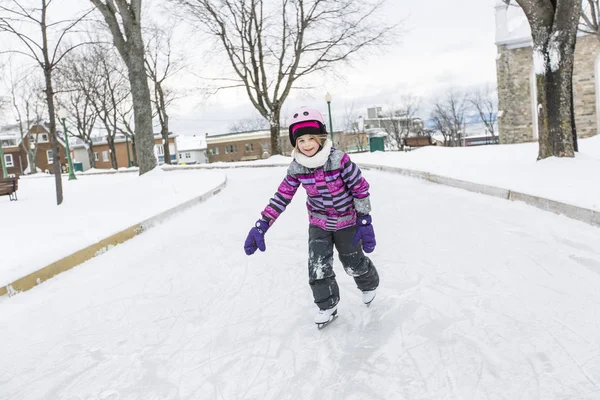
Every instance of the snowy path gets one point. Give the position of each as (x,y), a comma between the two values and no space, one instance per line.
(480,299)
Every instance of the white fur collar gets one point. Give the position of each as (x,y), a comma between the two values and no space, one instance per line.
(316,161)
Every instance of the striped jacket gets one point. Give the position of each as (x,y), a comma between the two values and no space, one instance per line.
(335,192)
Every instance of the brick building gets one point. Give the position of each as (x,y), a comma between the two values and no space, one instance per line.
(517,111)
(38,140)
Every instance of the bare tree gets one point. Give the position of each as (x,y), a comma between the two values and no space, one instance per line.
(448,117)
(16,18)
(400,121)
(80,76)
(161,64)
(110,94)
(554,31)
(271,46)
(27,103)
(353,133)
(590,14)
(248,125)
(123,18)
(486,106)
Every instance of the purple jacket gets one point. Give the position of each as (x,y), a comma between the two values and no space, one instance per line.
(336,192)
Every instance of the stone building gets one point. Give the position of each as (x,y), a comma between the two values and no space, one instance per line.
(517,111)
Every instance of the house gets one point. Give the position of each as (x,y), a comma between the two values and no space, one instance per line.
(100,151)
(191,150)
(38,140)
(517,111)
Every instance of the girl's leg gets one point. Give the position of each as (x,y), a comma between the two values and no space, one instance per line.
(320,268)
(355,263)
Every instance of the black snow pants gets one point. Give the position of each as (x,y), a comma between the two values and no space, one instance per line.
(320,264)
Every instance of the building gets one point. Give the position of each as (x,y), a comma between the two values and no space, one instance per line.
(517,111)
(100,151)
(38,140)
(191,150)
(256,145)
(244,146)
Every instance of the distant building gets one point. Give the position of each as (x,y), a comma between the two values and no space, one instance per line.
(100,151)
(191,150)
(38,140)
(517,110)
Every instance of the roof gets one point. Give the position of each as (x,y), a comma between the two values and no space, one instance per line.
(189,143)
(229,137)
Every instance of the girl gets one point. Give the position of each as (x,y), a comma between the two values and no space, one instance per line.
(338,212)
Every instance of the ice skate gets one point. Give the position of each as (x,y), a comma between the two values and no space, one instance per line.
(368,296)
(325,317)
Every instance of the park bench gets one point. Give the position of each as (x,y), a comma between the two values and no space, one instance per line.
(9,187)
(417,141)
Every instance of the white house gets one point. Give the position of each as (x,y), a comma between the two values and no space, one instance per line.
(191,150)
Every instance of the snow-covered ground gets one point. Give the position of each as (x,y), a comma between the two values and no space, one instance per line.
(572,181)
(480,298)
(94,207)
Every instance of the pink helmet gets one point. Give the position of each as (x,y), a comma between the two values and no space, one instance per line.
(305,115)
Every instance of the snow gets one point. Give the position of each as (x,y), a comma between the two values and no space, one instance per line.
(187,143)
(95,206)
(480,298)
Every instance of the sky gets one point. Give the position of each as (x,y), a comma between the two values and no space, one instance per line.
(441,45)
(480,297)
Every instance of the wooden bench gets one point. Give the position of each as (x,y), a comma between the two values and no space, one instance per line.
(9,187)
(417,141)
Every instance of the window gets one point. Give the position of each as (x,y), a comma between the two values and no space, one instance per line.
(188,155)
(44,138)
(96,156)
(180,156)
(214,151)
(8,159)
(49,156)
(160,150)
(249,147)
(230,149)
(105,156)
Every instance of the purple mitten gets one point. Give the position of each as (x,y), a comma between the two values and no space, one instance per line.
(364,232)
(256,237)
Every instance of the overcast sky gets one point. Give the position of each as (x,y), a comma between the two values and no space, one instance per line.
(443,45)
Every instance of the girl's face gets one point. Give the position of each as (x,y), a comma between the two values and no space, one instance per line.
(308,145)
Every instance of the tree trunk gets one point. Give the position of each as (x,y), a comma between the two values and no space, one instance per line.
(275,131)
(113,154)
(31,160)
(142,112)
(131,49)
(90,151)
(554,106)
(53,138)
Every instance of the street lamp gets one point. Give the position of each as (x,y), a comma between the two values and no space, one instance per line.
(328,100)
(62,114)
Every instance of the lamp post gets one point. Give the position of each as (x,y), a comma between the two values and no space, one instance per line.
(328,100)
(3,161)
(62,114)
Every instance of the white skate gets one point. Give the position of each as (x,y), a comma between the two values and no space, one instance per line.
(368,296)
(325,317)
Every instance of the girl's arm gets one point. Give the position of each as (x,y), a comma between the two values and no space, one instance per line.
(281,199)
(358,185)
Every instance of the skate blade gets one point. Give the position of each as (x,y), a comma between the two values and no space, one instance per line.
(369,303)
(331,319)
